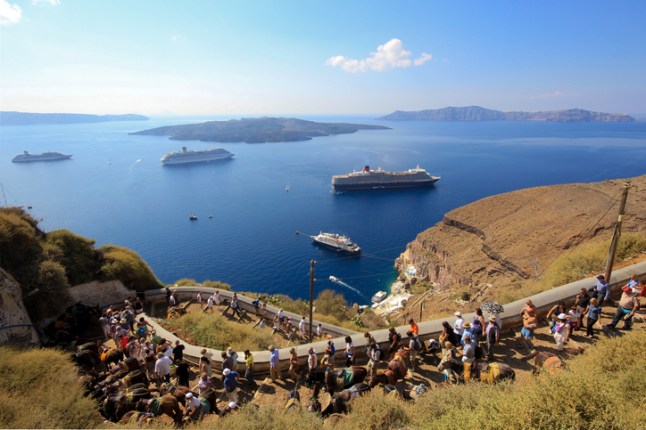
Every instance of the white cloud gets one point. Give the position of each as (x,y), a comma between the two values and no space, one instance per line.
(9,13)
(552,95)
(51,2)
(391,55)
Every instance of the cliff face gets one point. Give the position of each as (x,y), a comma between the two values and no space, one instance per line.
(512,236)
(13,312)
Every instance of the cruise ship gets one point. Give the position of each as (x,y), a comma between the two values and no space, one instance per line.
(26,157)
(375,179)
(337,242)
(186,156)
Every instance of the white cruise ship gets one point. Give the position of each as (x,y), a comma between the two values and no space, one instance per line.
(186,156)
(26,157)
(337,242)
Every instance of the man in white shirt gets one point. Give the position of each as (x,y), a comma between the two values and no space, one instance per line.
(457,326)
(193,407)
(301,327)
(162,367)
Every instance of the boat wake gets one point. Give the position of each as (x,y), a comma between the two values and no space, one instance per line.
(343,284)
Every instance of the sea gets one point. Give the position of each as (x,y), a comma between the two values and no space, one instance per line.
(257,210)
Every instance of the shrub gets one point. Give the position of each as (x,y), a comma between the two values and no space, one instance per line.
(80,259)
(127,266)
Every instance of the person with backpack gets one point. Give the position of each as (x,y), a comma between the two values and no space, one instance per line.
(374,358)
(492,335)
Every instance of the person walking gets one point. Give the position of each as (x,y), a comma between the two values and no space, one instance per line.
(374,358)
(294,365)
(248,374)
(230,384)
(593,312)
(349,351)
(602,288)
(492,335)
(162,367)
(394,339)
(628,305)
(274,364)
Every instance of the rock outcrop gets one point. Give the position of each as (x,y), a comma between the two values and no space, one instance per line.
(513,236)
(15,324)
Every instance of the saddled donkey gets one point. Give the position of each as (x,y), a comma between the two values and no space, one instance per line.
(488,372)
(396,370)
(166,404)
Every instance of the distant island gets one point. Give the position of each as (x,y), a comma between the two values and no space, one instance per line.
(257,130)
(27,118)
(477,113)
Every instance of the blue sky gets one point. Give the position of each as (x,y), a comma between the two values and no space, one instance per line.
(267,57)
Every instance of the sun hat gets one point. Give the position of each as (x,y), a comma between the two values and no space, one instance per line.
(232,405)
(492,318)
(627,289)
(466,325)
(562,316)
(226,372)
(458,314)
(189,395)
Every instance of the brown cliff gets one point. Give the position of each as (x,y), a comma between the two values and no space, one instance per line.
(508,238)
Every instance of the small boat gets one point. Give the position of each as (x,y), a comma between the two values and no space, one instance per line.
(379,297)
(193,217)
(337,242)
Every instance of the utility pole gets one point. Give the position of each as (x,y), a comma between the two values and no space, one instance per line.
(312,262)
(617,233)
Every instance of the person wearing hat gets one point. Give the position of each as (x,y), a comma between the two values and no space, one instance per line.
(466,333)
(561,331)
(449,356)
(230,382)
(458,327)
(628,305)
(492,335)
(193,407)
(602,290)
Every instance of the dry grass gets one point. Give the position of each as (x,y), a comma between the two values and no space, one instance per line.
(39,389)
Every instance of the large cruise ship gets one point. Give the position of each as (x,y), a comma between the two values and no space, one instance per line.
(337,242)
(26,157)
(375,179)
(186,156)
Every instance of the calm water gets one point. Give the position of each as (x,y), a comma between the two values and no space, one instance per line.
(116,191)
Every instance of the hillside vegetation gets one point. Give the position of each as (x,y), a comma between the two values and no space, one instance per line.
(47,264)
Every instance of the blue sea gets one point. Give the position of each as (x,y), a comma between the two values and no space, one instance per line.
(116,191)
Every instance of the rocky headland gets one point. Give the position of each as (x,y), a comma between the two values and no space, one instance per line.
(257,130)
(511,237)
(477,113)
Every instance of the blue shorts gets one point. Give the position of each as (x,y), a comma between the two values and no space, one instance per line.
(527,333)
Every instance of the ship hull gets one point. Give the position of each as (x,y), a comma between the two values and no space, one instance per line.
(172,162)
(383,185)
(335,248)
(33,159)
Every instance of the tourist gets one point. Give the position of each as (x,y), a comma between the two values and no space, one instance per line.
(205,363)
(319,330)
(168,294)
(281,316)
(530,322)
(468,351)
(182,372)
(477,327)
(173,300)
(458,327)
(149,359)
(552,315)
(449,356)
(368,338)
(412,326)
(134,348)
(104,323)
(230,383)
(374,358)
(349,351)
(574,318)
(628,305)
(312,364)
(235,307)
(216,298)
(394,339)
(414,347)
(594,312)
(294,365)
(248,374)
(227,361)
(234,358)
(203,385)
(466,333)
(123,344)
(561,331)
(199,297)
(209,305)
(168,351)
(178,351)
(193,407)
(274,364)
(602,290)
(330,349)
(448,334)
(162,367)
(301,328)
(581,301)
(256,306)
(492,335)
(327,362)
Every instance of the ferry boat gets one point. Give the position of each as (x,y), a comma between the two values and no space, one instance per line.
(368,179)
(26,157)
(186,156)
(337,242)
(379,297)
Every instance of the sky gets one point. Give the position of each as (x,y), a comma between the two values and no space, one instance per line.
(270,57)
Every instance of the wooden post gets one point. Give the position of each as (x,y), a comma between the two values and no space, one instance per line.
(617,233)
(312,262)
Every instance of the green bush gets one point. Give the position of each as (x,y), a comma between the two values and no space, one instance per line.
(78,256)
(127,266)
